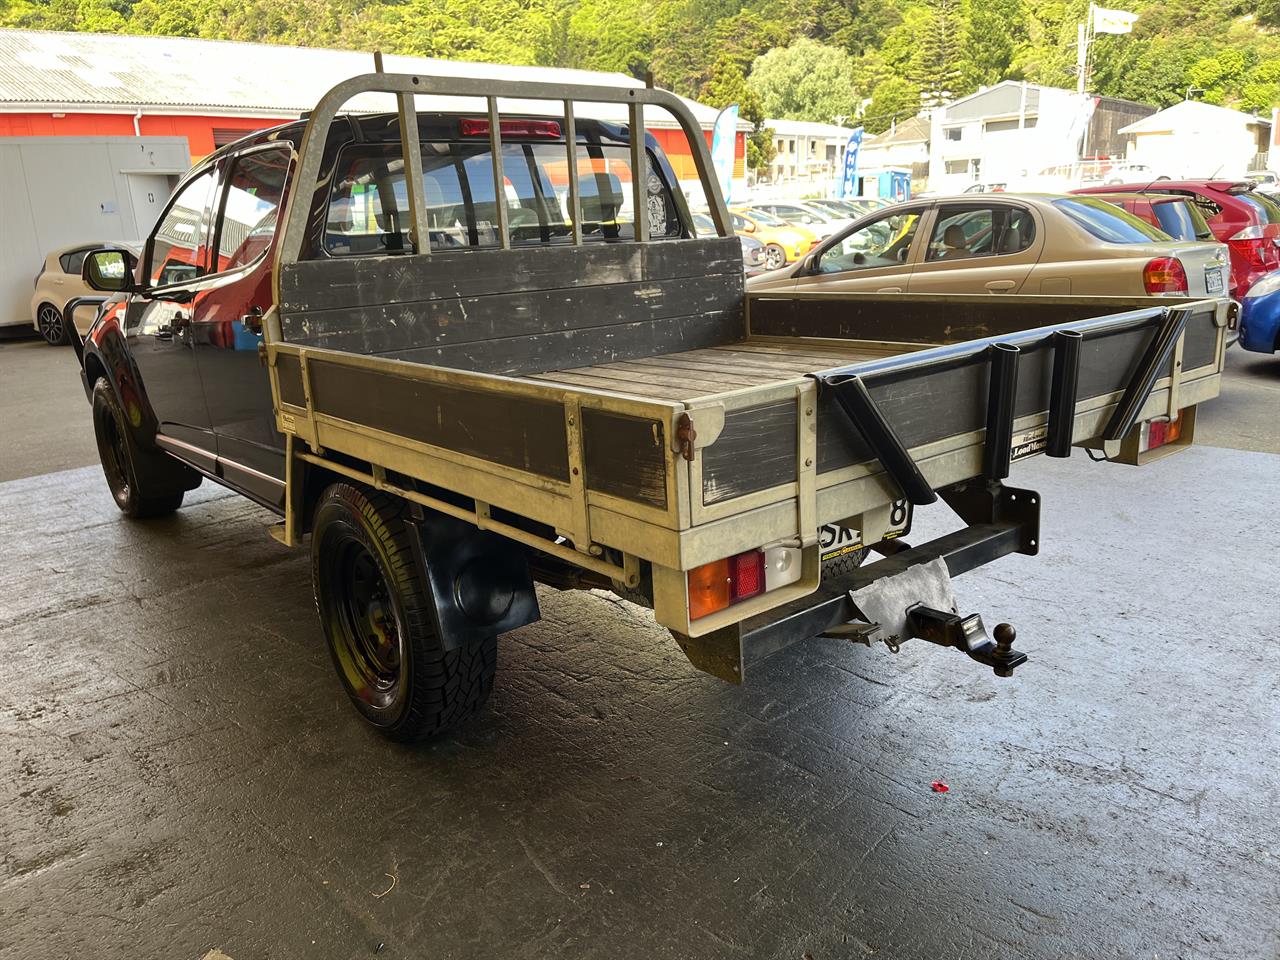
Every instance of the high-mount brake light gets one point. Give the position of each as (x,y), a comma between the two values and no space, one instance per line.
(479,127)
(1165,275)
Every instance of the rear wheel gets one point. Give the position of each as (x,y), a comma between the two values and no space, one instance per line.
(140,491)
(52,326)
(774,256)
(372,598)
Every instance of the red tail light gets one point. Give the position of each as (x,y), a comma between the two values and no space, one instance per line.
(1257,247)
(479,127)
(715,586)
(1165,275)
(746,571)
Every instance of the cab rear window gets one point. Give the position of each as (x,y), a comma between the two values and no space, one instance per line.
(369,213)
(1108,222)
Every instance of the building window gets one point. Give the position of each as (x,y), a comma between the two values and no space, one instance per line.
(791,146)
(997,126)
(957,166)
(953,133)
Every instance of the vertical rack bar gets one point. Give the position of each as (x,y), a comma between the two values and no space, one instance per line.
(571,152)
(499,179)
(411,150)
(1062,394)
(1002,393)
(639,174)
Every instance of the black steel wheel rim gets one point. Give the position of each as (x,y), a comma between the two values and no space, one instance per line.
(366,626)
(50,322)
(115,455)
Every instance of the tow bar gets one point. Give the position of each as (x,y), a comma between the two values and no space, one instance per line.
(919,603)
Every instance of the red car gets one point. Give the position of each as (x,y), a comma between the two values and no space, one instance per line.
(1248,222)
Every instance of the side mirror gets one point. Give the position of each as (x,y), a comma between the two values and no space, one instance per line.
(810,265)
(108,270)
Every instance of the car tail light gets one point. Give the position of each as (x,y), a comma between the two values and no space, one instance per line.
(1158,433)
(718,585)
(1165,275)
(1258,247)
(479,127)
(746,575)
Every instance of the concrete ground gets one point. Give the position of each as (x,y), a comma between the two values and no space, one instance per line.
(180,772)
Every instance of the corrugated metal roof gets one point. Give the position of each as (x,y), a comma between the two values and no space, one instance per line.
(48,71)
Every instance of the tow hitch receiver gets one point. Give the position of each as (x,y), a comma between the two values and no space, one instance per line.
(969,636)
(919,602)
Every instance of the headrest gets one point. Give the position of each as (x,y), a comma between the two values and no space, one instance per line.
(954,237)
(600,195)
(1012,240)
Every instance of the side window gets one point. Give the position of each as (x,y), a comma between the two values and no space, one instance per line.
(885,242)
(739,223)
(176,253)
(72,262)
(1208,209)
(251,207)
(965,232)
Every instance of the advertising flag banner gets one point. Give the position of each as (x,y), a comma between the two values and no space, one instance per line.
(724,141)
(847,184)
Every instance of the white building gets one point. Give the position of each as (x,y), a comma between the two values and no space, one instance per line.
(1022,134)
(809,155)
(905,146)
(1193,139)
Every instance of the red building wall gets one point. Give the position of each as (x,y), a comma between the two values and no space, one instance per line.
(197,129)
(199,132)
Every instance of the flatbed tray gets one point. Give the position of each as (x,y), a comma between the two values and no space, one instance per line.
(694,374)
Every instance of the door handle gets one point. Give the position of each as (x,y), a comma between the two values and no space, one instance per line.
(252,321)
(889,290)
(1001,286)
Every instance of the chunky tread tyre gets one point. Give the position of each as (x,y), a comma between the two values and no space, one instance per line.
(136,486)
(407,687)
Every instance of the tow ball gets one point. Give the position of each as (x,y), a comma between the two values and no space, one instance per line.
(919,602)
(969,636)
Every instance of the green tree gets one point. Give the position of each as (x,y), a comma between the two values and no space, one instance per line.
(612,35)
(805,81)
(727,86)
(894,100)
(937,68)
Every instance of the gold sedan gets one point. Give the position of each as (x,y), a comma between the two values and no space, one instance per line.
(1007,243)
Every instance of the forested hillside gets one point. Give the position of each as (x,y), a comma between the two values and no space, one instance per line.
(806,59)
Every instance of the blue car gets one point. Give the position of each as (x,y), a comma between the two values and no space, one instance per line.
(1260,315)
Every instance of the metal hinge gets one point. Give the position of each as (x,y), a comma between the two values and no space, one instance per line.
(685,436)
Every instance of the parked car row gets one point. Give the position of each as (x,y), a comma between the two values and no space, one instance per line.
(1247,220)
(1008,243)
(1194,238)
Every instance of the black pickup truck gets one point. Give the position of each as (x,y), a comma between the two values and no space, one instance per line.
(469,348)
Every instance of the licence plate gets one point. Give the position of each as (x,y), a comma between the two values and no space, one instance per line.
(1213,279)
(836,541)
